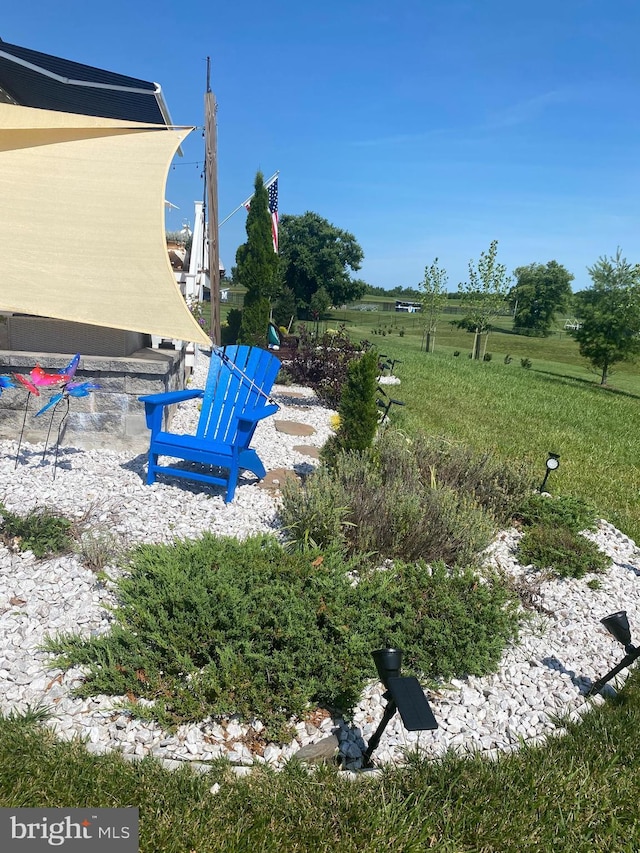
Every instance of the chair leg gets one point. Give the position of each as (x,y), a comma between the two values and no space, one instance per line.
(151,468)
(232,482)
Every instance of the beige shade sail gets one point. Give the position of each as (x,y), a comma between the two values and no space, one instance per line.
(82,222)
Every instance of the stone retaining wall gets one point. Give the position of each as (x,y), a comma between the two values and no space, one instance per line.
(111,417)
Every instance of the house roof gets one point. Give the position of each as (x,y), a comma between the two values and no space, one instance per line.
(33,79)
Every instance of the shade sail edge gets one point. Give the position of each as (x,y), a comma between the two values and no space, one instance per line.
(64,207)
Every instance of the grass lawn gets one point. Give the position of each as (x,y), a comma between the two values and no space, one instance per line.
(556,405)
(578,793)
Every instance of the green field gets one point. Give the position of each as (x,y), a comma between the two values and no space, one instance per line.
(556,405)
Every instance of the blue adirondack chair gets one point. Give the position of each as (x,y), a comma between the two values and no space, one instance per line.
(235,398)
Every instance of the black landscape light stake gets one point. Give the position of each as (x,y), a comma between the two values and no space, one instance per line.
(382,364)
(617,625)
(553,463)
(403,694)
(392,363)
(386,404)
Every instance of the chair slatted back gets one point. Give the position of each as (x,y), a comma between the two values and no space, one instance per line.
(240,378)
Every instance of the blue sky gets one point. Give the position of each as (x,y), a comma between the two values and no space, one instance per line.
(425,128)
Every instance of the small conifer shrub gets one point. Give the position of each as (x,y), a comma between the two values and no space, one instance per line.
(358,409)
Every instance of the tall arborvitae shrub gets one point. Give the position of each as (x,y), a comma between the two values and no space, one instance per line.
(257,268)
(358,408)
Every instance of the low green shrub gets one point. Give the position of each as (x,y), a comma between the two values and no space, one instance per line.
(561,551)
(218,626)
(42,531)
(526,363)
(447,621)
(563,511)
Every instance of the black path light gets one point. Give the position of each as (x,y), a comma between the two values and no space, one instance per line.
(391,363)
(385,402)
(403,694)
(617,625)
(382,363)
(553,463)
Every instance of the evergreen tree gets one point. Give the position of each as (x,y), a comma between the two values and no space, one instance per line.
(358,409)
(284,310)
(609,314)
(257,268)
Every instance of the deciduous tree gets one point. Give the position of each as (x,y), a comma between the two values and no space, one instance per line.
(433,296)
(314,253)
(484,295)
(609,314)
(540,291)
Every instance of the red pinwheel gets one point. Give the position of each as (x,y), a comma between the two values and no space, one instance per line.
(23,380)
(39,378)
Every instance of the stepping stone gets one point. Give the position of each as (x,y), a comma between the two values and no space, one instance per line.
(274,479)
(294,428)
(307,450)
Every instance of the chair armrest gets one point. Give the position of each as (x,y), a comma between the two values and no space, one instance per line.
(170,397)
(154,405)
(257,414)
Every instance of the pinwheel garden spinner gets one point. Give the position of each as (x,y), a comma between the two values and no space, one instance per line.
(65,387)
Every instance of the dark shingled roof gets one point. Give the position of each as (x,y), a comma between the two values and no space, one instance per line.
(32,79)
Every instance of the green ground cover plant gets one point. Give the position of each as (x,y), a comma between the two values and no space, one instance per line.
(41,531)
(560,551)
(573,513)
(218,626)
(575,794)
(552,540)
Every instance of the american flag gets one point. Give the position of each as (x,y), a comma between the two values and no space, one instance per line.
(273,210)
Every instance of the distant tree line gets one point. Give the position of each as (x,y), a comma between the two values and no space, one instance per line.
(315,268)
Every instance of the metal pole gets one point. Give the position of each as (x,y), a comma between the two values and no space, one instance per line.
(544,482)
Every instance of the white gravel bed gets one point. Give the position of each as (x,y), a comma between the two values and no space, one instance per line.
(562,649)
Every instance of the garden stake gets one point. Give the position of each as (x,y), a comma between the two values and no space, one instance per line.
(24,420)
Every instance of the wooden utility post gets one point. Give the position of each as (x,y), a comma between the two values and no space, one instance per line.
(211,179)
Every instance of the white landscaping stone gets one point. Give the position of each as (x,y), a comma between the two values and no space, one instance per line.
(541,677)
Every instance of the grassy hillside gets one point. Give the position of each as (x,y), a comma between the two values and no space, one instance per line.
(523,414)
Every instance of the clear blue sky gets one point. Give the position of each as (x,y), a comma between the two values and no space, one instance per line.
(425,128)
